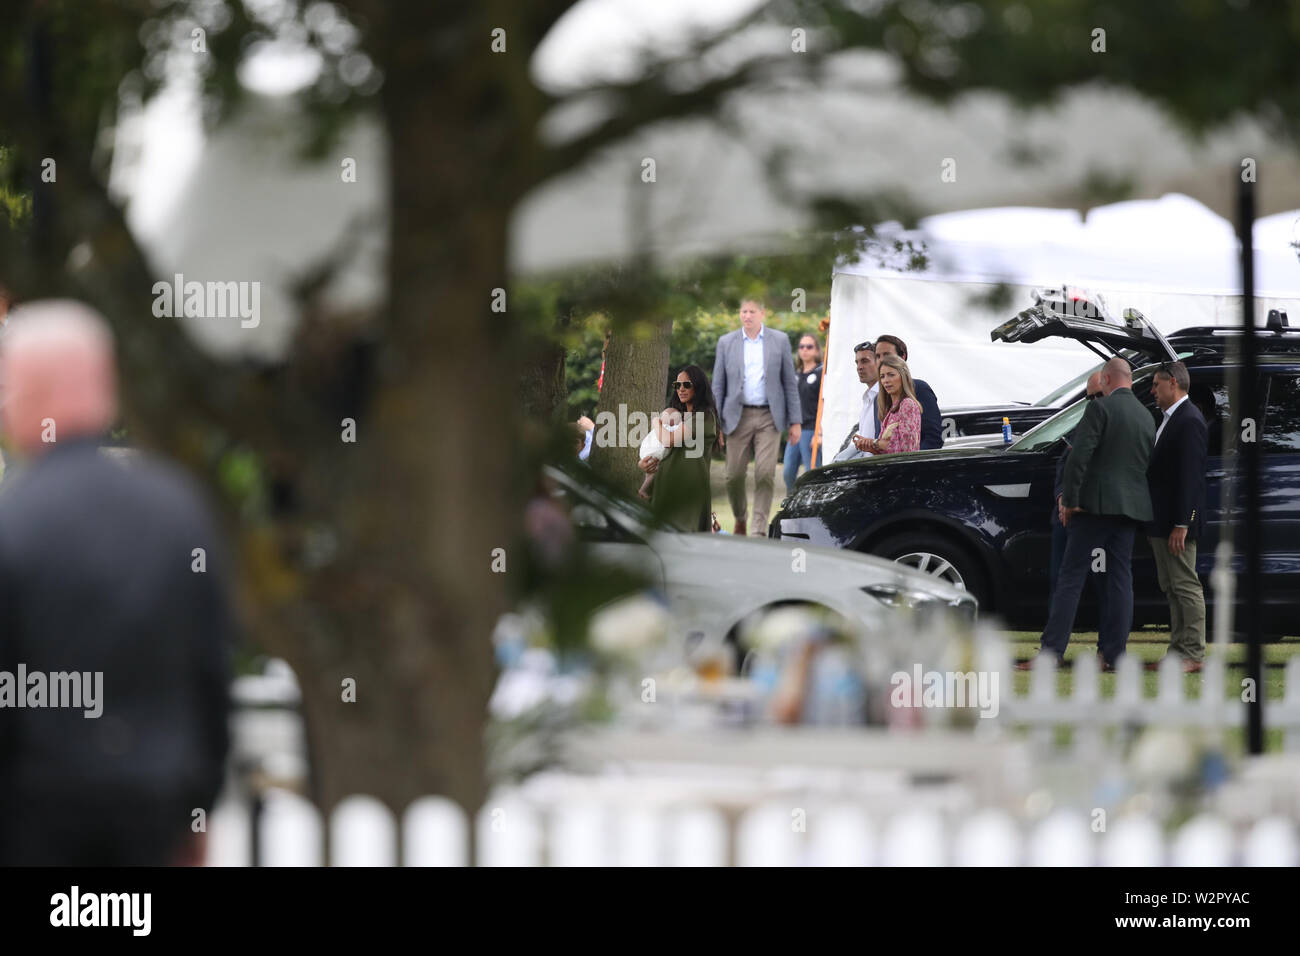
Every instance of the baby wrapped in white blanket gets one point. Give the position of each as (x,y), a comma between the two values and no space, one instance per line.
(652,447)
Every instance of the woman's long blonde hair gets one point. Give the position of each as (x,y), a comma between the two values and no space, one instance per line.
(909,389)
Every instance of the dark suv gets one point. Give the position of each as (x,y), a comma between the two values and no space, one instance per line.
(980,517)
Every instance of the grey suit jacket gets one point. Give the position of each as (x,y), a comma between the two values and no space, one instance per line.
(779,379)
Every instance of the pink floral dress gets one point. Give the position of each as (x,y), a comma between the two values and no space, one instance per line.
(907,436)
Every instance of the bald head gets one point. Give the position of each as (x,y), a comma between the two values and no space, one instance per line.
(1116,373)
(57,367)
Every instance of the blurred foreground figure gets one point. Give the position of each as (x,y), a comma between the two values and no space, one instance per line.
(113,645)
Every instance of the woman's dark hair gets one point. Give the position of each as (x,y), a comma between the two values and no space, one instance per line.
(701,393)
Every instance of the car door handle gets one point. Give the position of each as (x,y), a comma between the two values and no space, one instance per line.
(1216,474)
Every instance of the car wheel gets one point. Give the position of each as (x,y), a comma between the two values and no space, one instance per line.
(940,557)
(741,635)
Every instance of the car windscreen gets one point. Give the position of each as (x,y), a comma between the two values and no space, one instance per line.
(1056,427)
(587,487)
(1062,423)
(1076,386)
(1072,387)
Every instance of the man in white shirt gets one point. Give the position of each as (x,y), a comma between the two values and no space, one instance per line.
(855,443)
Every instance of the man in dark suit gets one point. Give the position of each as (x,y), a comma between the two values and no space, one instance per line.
(755,389)
(1176,478)
(931,425)
(1104,499)
(103,585)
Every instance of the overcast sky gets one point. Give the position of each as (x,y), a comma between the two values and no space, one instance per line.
(595,41)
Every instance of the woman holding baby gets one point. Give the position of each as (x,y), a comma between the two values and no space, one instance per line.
(676,455)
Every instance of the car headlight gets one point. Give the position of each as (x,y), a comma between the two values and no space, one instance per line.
(894,596)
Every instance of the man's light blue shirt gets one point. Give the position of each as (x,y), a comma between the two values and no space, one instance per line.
(755,390)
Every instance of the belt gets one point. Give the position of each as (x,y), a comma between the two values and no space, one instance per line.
(755,406)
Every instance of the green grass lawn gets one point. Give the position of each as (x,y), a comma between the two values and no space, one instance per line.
(722,504)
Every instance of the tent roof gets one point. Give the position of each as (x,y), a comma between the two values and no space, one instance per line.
(1173,243)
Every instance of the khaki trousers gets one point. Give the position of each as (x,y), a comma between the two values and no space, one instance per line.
(1177,574)
(755,431)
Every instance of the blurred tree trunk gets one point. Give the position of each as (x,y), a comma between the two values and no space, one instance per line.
(636,371)
(543,389)
(409,610)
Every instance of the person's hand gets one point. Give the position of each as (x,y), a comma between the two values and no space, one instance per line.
(862,443)
(1067,515)
(722,440)
(1178,541)
(1061,514)
(587,424)
(649,464)
(796,432)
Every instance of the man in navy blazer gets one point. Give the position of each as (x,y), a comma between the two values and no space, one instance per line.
(931,427)
(1176,478)
(756,393)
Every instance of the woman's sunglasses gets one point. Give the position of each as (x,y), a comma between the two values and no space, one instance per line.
(681,385)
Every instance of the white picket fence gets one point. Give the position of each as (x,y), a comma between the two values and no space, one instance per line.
(517,833)
(765,796)
(1088,712)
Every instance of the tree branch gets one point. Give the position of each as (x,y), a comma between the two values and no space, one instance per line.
(657,96)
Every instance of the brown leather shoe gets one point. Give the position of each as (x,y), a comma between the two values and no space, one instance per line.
(1103,666)
(740,526)
(1029,664)
(1189,667)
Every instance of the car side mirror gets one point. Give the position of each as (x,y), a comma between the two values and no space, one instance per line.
(586,516)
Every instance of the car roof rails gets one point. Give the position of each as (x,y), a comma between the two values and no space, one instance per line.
(1277,325)
(1277,337)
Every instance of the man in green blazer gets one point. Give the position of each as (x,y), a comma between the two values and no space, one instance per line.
(1104,500)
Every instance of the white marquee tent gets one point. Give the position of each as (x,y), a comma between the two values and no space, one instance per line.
(1173,259)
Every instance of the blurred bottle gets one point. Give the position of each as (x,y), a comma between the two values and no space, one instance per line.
(838,698)
(1006,430)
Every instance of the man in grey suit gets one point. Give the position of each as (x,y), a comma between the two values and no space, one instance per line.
(755,391)
(1104,500)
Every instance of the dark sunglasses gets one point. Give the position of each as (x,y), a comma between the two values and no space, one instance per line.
(681,385)
(1092,395)
(865,347)
(803,346)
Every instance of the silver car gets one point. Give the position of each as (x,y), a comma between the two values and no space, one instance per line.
(718,584)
